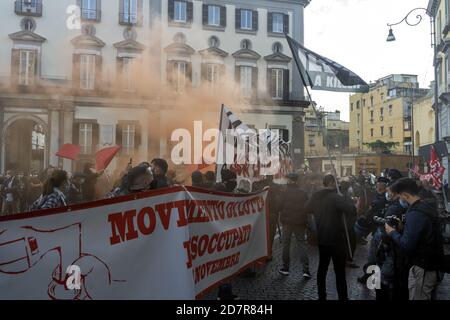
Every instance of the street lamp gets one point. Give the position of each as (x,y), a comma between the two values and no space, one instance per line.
(391,36)
(417,21)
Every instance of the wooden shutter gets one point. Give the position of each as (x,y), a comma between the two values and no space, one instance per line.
(36,67)
(15,66)
(95,137)
(76,133)
(286,23)
(171,10)
(137,135)
(98,10)
(223,16)
(204,70)
(119,73)
(221,72)
(285,84)
(255,81)
(98,72)
(190,12)
(121,11)
(119,134)
(238,19)
(255,20)
(170,72)
(270,89)
(205,14)
(270,22)
(237,74)
(140,12)
(188,74)
(76,71)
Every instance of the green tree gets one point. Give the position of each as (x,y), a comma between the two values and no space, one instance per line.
(381,146)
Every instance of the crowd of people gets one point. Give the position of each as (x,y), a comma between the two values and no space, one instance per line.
(395,216)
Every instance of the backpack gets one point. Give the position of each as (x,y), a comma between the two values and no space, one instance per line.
(443,260)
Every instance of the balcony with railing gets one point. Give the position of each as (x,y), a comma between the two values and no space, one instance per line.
(128,19)
(28,7)
(90,14)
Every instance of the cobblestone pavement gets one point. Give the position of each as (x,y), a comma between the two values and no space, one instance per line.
(268,284)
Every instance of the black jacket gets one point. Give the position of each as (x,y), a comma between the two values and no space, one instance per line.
(377,206)
(159,182)
(292,205)
(328,208)
(420,238)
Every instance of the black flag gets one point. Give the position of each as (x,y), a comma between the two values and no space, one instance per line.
(321,73)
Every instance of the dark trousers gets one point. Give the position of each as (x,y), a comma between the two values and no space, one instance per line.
(299,232)
(273,220)
(338,255)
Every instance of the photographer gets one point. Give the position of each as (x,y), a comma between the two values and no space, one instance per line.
(418,238)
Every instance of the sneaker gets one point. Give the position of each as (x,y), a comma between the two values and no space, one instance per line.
(284,271)
(306,275)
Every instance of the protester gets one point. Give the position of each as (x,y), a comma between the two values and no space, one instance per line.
(330,211)
(426,193)
(137,179)
(294,220)
(244,186)
(10,193)
(159,169)
(228,183)
(419,239)
(34,187)
(90,181)
(52,196)
(346,193)
(22,191)
(210,179)
(197,179)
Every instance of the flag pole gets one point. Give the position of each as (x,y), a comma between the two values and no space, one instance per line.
(322,129)
(219,141)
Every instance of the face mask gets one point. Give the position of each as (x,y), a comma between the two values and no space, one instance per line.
(404,204)
(388,196)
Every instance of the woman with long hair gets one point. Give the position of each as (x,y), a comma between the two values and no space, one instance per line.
(52,196)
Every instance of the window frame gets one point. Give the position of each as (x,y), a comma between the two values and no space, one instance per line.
(245,85)
(27,72)
(176,5)
(91,11)
(87,71)
(246,16)
(277,79)
(217,15)
(85,140)
(128,138)
(274,22)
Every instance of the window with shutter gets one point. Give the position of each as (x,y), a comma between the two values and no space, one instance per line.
(214,15)
(180,11)
(89,9)
(277,84)
(246,81)
(87,71)
(223,16)
(85,138)
(128,138)
(246,20)
(129,12)
(278,23)
(27,67)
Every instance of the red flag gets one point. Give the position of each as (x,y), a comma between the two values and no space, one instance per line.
(104,157)
(437,170)
(68,151)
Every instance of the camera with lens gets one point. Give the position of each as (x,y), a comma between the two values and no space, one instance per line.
(392,221)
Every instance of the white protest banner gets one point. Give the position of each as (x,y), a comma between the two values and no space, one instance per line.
(174,243)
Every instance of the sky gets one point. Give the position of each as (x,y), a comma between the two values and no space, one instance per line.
(353,33)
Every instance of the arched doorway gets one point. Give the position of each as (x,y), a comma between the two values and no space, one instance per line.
(25,146)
